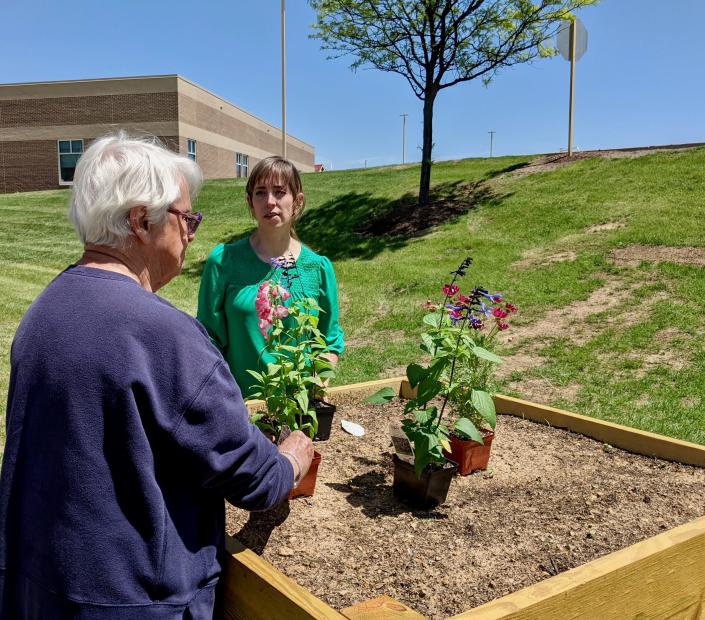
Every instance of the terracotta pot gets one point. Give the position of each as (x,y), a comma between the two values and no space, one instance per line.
(470,455)
(308,483)
(425,491)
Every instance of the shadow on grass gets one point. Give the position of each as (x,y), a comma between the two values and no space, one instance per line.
(360,225)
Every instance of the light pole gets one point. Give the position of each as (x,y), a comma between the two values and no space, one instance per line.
(492,133)
(283,28)
(403,138)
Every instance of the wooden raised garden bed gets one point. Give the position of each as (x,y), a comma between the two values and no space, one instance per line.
(660,577)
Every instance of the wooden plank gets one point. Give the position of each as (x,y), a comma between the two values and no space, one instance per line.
(381,608)
(367,387)
(617,435)
(625,437)
(660,578)
(252,589)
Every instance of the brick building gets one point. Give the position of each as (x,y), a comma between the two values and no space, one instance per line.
(45,126)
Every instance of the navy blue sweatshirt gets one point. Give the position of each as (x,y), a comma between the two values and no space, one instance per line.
(125,431)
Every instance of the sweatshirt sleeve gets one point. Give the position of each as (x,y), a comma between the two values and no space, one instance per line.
(225,452)
(211,299)
(329,323)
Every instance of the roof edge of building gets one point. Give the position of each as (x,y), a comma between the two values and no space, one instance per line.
(100,79)
(176,76)
(230,103)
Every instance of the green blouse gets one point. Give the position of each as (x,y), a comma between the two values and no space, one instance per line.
(226,303)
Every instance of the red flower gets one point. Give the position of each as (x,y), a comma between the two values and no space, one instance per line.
(511,308)
(450,289)
(499,313)
(501,325)
(463,299)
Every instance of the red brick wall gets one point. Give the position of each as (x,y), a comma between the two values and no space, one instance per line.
(34,164)
(96,110)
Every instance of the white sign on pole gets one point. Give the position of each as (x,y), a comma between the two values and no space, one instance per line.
(563,40)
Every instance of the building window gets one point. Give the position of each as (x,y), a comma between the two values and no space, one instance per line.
(242,164)
(191,149)
(69,153)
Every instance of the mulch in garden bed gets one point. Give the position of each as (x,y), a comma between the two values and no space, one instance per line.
(550,501)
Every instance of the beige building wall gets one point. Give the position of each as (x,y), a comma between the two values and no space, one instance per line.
(207,118)
(33,117)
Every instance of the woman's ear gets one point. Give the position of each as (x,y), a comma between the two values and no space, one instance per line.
(139,224)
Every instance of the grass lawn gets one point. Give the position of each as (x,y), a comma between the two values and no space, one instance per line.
(622,341)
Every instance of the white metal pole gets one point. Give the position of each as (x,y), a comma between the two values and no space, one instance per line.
(572,86)
(283,28)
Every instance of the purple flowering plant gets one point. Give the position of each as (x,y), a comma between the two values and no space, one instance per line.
(300,371)
(458,337)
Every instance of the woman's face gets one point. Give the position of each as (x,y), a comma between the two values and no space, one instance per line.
(273,205)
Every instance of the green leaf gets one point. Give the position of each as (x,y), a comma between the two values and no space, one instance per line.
(256,375)
(468,429)
(484,404)
(302,399)
(382,396)
(428,343)
(428,388)
(434,319)
(486,355)
(415,374)
(424,416)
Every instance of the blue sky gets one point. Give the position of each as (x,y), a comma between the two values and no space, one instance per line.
(641,82)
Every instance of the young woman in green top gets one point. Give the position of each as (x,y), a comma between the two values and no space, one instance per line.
(234,271)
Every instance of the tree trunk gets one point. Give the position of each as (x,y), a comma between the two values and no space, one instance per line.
(426,151)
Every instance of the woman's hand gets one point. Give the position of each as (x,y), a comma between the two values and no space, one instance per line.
(298,449)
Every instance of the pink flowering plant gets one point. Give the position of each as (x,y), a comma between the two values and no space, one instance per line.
(458,337)
(300,370)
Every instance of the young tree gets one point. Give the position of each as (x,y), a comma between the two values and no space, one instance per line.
(436,44)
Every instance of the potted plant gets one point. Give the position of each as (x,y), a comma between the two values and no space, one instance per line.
(476,319)
(295,381)
(458,371)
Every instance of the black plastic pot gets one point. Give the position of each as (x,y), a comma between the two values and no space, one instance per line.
(324,412)
(426,491)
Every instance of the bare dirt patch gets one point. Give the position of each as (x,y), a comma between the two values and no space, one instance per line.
(552,500)
(606,227)
(633,255)
(552,161)
(541,390)
(541,258)
(558,251)
(570,323)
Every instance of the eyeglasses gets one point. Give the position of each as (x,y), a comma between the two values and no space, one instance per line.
(192,219)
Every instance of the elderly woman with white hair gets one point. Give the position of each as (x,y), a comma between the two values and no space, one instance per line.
(125,428)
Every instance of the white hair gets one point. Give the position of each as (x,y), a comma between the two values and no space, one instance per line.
(119,172)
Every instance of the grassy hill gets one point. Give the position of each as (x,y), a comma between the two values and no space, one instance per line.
(594,253)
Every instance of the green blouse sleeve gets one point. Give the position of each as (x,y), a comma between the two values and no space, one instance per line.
(211,296)
(329,323)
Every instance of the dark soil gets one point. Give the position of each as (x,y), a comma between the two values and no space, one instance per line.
(551,500)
